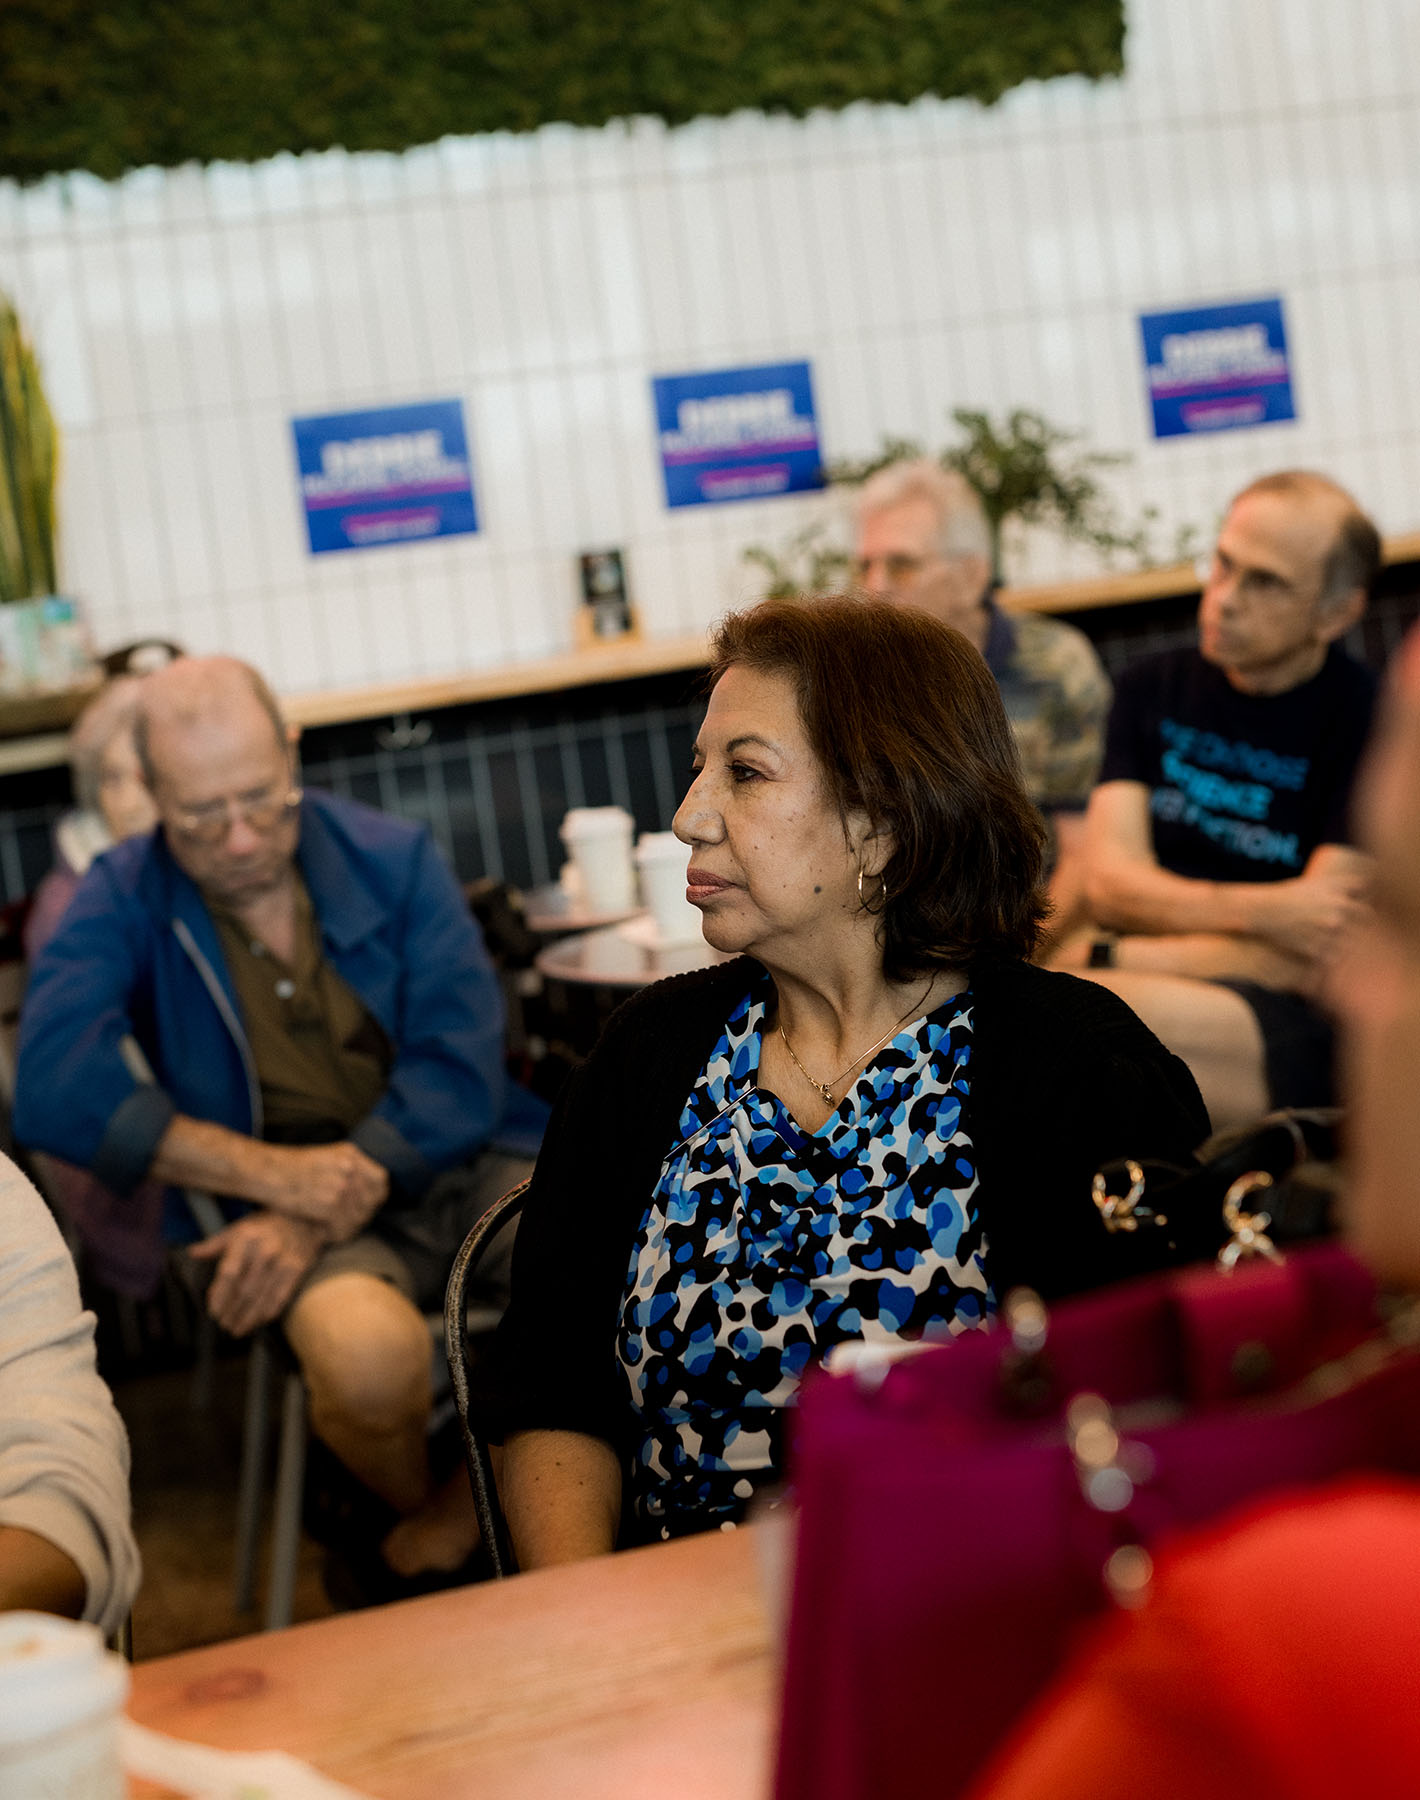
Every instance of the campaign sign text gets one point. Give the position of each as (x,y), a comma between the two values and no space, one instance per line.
(737,434)
(1217,368)
(387,476)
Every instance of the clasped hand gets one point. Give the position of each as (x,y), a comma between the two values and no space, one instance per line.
(334,1186)
(1309,915)
(318,1194)
(261,1260)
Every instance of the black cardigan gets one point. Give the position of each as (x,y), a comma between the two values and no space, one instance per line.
(1064,1077)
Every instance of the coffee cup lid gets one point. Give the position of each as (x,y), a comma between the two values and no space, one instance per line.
(54,1673)
(661,846)
(595,821)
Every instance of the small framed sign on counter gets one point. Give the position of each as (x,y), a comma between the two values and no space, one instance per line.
(605,613)
(737,434)
(389,475)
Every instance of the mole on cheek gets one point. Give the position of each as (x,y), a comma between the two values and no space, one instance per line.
(817,889)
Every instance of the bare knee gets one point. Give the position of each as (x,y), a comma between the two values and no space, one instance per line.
(1210,1028)
(365,1353)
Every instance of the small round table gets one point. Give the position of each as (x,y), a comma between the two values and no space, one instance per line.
(551,912)
(624,957)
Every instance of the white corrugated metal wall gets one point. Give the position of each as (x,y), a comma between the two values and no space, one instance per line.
(921,257)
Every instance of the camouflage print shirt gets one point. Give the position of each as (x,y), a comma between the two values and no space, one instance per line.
(1057,698)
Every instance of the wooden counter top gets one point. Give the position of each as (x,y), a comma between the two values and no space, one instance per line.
(658,656)
(629,659)
(576,668)
(664,656)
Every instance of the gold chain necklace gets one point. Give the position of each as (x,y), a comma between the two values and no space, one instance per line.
(826,1087)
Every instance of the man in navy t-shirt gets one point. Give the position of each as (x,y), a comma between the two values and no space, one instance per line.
(1217,842)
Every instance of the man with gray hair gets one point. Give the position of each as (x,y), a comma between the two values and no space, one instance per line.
(280,998)
(923,540)
(1218,849)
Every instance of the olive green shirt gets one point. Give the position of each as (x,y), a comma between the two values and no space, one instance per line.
(322,1059)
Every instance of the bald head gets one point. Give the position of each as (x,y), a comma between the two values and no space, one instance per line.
(1294,559)
(1349,546)
(195,697)
(216,756)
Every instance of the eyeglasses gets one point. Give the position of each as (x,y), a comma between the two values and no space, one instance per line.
(209,825)
(898,567)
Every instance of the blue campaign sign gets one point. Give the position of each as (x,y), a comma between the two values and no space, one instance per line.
(737,434)
(1217,368)
(386,476)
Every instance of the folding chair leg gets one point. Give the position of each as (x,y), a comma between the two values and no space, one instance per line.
(200,1397)
(286,1526)
(253,1472)
(130,1330)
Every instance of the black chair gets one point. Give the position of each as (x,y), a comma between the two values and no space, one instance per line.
(456,1345)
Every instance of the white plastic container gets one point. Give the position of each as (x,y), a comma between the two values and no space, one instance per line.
(61,1693)
(662,861)
(598,840)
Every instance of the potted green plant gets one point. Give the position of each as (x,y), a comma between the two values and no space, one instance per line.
(1022,471)
(1021,468)
(41,645)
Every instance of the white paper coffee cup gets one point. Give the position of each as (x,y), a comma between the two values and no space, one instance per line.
(598,840)
(61,1694)
(662,860)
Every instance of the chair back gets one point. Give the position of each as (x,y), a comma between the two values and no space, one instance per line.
(475,1446)
(13,975)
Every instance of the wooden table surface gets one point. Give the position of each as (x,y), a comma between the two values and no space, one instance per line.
(644,1676)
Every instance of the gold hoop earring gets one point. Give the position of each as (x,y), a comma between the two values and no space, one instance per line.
(862,898)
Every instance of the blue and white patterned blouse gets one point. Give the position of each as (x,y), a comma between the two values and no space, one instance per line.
(764,1246)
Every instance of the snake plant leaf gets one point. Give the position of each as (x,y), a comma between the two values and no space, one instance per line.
(28,468)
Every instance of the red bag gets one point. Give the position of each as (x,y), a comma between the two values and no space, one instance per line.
(963,1513)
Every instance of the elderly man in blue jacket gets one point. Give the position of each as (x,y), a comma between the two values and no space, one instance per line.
(280,998)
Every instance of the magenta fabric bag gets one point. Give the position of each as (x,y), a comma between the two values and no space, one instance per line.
(955,1532)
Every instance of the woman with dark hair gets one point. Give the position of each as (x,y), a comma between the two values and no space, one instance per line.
(870,1124)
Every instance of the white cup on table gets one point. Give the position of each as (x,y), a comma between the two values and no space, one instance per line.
(61,1694)
(662,861)
(598,840)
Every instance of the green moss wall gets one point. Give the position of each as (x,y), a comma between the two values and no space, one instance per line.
(109,85)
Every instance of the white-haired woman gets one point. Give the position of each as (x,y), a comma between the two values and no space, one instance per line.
(123,1238)
(112,802)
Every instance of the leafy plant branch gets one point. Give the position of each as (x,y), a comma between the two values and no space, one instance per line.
(803,564)
(1022,468)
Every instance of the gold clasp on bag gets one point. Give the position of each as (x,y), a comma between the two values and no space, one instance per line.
(1249,1229)
(1122,1212)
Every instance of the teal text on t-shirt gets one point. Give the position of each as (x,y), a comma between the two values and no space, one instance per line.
(1224,789)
